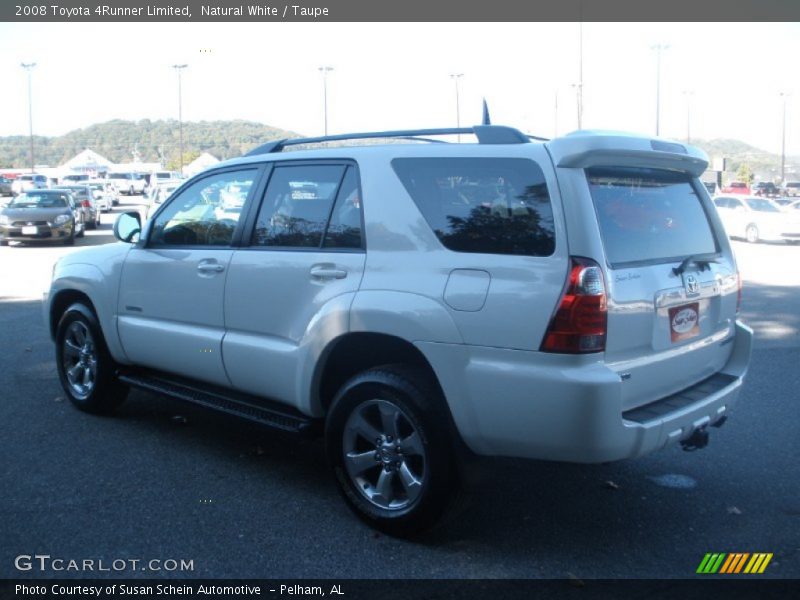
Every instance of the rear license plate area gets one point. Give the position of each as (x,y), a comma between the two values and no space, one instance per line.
(684,322)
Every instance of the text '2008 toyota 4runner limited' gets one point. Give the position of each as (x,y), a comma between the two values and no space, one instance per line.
(570,300)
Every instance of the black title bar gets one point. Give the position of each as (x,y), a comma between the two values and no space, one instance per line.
(399,10)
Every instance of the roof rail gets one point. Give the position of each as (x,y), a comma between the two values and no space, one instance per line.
(486,134)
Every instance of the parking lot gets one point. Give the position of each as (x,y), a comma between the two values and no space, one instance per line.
(162,481)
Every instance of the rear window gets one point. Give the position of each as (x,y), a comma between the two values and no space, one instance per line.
(485,205)
(649,215)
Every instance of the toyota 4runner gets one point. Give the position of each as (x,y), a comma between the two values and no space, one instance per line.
(419,303)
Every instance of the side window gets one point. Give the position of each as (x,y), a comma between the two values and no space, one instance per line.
(721,202)
(203,214)
(486,205)
(297,206)
(344,228)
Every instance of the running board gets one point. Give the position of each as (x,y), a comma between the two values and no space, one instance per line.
(244,406)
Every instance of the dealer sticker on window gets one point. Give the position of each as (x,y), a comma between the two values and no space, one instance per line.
(684,321)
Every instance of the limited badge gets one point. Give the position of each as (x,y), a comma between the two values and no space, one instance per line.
(684,321)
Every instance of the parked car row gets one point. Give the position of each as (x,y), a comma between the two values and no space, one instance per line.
(759,188)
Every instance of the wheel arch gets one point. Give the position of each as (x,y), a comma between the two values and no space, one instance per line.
(356,352)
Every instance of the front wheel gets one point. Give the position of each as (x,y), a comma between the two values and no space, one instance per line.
(387,440)
(751,234)
(85,368)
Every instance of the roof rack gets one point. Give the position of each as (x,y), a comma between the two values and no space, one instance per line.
(486,134)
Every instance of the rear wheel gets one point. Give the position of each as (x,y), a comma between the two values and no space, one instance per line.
(751,234)
(387,440)
(85,368)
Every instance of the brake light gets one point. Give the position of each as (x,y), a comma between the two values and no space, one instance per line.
(86,204)
(579,325)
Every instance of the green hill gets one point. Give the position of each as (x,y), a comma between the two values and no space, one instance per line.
(145,140)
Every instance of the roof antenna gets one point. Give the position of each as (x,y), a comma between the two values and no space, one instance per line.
(486,120)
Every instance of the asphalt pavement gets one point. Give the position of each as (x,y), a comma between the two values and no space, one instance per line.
(161,481)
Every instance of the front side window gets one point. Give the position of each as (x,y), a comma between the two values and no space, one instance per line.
(648,215)
(297,205)
(485,205)
(199,215)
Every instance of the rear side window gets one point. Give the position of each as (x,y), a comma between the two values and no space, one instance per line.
(649,215)
(485,205)
(297,206)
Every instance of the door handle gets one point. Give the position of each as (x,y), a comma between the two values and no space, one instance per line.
(327,272)
(210,267)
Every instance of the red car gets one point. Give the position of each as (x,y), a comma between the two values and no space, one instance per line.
(737,187)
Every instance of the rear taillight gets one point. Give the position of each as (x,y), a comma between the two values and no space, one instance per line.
(579,325)
(86,204)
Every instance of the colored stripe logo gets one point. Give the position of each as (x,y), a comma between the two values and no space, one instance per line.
(731,563)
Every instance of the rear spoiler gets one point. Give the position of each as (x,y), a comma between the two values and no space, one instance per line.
(583,149)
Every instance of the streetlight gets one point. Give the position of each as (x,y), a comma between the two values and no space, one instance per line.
(178,69)
(555,115)
(783,96)
(688,94)
(658,48)
(579,89)
(29,67)
(325,71)
(578,100)
(455,77)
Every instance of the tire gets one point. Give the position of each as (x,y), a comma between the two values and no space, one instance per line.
(81,348)
(399,488)
(3,242)
(751,234)
(130,191)
(70,241)
(82,231)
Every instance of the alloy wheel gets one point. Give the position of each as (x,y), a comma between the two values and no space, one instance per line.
(79,359)
(384,455)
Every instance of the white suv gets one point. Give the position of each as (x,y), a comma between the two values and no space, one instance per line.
(419,303)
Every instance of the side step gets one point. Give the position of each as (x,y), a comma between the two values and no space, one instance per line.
(244,406)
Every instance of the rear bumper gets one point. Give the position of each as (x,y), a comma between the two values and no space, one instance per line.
(511,403)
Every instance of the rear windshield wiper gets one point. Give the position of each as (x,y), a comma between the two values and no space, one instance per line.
(701,260)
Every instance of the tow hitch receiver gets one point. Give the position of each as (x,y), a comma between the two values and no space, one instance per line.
(698,439)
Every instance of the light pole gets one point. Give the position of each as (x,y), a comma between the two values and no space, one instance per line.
(325,71)
(658,48)
(688,94)
(783,139)
(580,77)
(178,69)
(555,115)
(29,68)
(455,77)
(578,101)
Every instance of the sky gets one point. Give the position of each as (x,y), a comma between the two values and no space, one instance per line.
(397,75)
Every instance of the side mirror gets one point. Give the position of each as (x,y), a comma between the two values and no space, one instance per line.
(127,227)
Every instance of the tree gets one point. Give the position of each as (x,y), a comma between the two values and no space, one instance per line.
(744,173)
(188,156)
